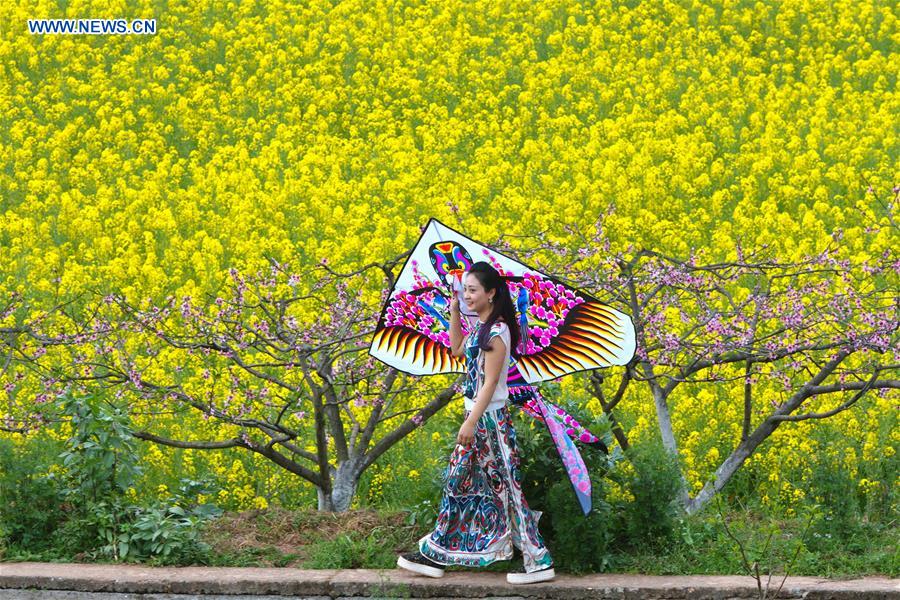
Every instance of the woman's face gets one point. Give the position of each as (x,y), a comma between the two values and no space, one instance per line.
(476,298)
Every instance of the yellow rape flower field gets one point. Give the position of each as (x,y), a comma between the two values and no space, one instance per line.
(152,164)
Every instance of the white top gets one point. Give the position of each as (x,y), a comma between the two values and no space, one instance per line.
(501,392)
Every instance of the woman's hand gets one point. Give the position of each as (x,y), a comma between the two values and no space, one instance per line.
(454,304)
(466,433)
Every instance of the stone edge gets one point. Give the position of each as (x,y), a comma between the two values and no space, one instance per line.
(392,583)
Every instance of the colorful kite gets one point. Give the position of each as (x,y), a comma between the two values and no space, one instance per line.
(563,331)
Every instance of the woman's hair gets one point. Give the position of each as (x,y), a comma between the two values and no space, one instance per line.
(502,306)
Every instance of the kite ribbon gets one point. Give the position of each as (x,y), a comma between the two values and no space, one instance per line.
(574,464)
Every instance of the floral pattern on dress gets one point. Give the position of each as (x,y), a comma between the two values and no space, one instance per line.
(483,512)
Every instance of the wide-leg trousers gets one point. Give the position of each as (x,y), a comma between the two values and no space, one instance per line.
(483,512)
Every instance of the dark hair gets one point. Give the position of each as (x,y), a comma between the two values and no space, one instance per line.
(490,279)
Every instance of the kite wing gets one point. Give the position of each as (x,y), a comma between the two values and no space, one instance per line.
(565,330)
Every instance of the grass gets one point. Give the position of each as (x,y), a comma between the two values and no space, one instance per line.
(704,548)
(310,539)
(372,539)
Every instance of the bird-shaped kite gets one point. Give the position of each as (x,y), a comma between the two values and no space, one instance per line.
(563,331)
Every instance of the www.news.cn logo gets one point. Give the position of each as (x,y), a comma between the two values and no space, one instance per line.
(92,26)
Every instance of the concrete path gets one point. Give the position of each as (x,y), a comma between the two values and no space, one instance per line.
(50,581)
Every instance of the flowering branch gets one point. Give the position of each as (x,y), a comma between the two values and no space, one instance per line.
(812,328)
(280,373)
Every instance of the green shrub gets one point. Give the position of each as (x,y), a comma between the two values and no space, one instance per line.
(590,543)
(655,483)
(166,533)
(84,512)
(31,499)
(578,543)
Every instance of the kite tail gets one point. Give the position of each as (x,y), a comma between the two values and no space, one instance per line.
(526,397)
(574,464)
(564,431)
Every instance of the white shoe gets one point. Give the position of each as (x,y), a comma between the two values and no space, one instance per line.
(418,563)
(520,576)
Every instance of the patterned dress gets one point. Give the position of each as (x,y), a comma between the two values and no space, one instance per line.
(483,512)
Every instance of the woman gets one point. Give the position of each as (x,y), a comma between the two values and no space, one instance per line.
(483,512)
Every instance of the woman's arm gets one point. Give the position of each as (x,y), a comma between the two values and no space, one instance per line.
(493,365)
(456,335)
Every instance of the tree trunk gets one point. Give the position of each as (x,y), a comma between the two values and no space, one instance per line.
(344,481)
(730,466)
(664,420)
